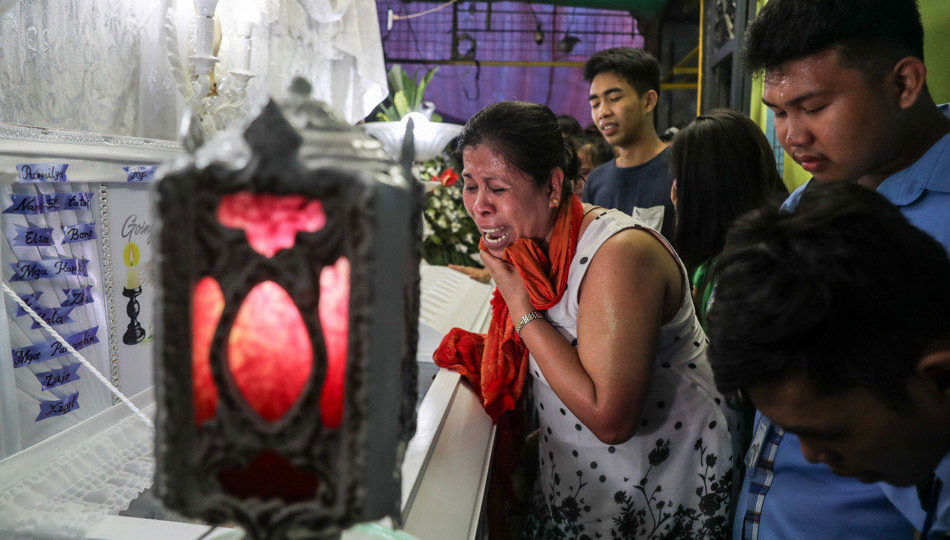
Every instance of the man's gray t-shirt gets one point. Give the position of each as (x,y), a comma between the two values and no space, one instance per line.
(642,191)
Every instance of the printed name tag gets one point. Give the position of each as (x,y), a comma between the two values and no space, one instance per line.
(73,201)
(140,173)
(32,300)
(29,204)
(59,377)
(77,297)
(32,236)
(49,409)
(79,233)
(42,172)
(48,269)
(42,352)
(40,204)
(53,316)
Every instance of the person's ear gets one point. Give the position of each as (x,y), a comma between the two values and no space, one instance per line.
(556,185)
(650,100)
(910,77)
(935,366)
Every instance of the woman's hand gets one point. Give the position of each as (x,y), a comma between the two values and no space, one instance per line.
(509,284)
(480,275)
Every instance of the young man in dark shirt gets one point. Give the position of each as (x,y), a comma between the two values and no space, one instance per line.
(624,88)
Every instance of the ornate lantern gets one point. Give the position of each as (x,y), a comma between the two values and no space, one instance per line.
(290,280)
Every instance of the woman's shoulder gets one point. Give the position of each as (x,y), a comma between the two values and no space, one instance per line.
(611,220)
(612,226)
(610,238)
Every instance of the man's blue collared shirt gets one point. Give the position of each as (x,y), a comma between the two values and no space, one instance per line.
(941,511)
(805,500)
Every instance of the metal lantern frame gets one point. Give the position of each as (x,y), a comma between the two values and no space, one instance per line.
(364,195)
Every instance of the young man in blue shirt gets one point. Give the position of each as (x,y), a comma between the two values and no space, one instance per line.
(624,89)
(843,340)
(847,83)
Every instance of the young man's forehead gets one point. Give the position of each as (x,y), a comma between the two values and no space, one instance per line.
(814,75)
(615,79)
(600,92)
(827,62)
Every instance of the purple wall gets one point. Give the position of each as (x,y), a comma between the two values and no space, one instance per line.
(456,91)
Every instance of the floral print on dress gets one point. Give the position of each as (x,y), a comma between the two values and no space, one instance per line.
(642,511)
(658,519)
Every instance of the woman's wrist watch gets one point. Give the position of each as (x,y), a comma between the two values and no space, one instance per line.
(528,317)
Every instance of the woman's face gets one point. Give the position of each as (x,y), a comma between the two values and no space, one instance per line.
(503,200)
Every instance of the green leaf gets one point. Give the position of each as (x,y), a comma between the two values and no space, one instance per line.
(408,89)
(423,83)
(402,106)
(412,93)
(387,113)
(395,78)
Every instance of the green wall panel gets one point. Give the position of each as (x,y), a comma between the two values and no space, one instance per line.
(936,19)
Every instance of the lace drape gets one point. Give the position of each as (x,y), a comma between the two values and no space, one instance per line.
(100,65)
(76,65)
(70,482)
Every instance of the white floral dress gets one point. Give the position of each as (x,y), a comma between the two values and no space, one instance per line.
(674,477)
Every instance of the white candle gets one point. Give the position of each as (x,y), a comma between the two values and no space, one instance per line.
(206,7)
(132,279)
(246,32)
(204,26)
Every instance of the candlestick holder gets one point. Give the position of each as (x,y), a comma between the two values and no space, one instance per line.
(216,105)
(134,333)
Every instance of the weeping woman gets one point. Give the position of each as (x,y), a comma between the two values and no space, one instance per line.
(594,307)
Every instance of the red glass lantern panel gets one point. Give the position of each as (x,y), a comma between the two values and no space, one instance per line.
(268,475)
(206,307)
(269,351)
(334,311)
(270,222)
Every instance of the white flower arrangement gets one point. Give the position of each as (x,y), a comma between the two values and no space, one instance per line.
(449,234)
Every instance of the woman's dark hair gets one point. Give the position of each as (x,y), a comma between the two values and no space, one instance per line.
(527,135)
(723,166)
(569,125)
(596,147)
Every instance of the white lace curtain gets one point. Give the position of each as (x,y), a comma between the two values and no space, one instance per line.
(101,65)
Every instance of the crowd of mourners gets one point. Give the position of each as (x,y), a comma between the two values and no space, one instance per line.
(703,354)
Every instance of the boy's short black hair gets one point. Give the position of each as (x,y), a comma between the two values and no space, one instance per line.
(638,67)
(869,34)
(844,289)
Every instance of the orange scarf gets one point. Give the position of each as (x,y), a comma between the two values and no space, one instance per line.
(496,363)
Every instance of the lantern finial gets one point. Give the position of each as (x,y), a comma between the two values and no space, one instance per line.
(270,134)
